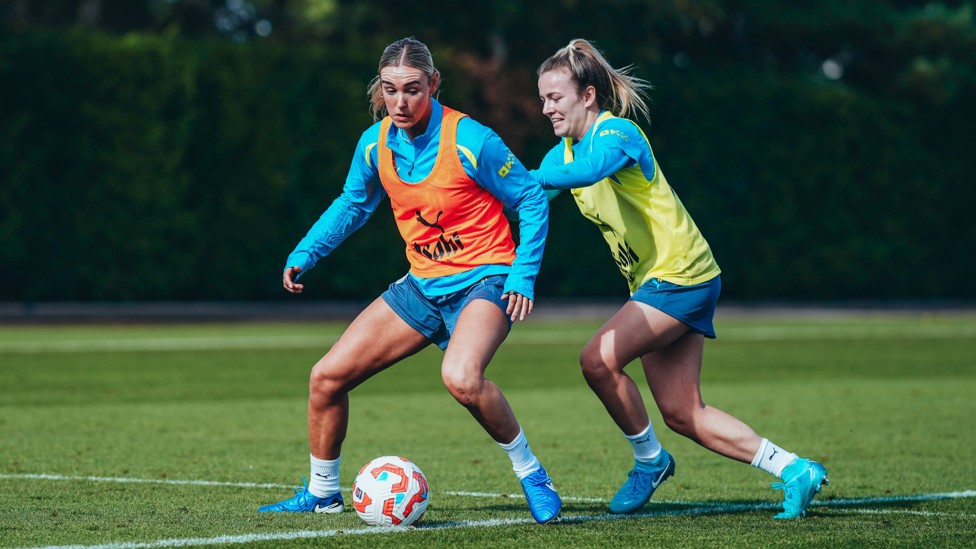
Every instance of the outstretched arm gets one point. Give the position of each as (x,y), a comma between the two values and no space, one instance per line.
(583,172)
(618,145)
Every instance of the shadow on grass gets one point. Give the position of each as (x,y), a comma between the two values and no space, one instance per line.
(579,512)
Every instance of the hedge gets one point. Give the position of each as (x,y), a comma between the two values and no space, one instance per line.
(148,167)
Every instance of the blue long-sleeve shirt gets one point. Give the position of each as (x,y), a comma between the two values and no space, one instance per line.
(596,157)
(485,158)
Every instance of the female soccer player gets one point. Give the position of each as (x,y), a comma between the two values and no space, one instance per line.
(674,280)
(449,179)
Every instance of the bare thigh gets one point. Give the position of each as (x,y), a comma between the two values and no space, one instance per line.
(636,329)
(481,328)
(375,340)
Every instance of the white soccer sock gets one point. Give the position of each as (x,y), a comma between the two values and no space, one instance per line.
(645,444)
(324,479)
(524,461)
(772,458)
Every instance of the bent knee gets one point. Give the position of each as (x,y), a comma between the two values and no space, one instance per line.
(595,366)
(464,387)
(326,381)
(680,420)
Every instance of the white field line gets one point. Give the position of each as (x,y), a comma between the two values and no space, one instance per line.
(907,512)
(204,343)
(35,476)
(694,508)
(826,503)
(839,502)
(129,480)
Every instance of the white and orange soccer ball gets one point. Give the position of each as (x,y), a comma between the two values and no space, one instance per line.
(390,491)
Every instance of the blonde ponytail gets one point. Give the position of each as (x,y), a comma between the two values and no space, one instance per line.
(617,90)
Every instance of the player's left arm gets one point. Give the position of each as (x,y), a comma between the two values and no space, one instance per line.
(502,174)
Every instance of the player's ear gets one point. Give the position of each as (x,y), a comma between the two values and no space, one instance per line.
(589,96)
(435,82)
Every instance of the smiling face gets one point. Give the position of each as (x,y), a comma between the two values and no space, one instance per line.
(406,94)
(571,113)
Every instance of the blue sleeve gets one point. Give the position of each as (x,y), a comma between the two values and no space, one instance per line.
(500,173)
(552,158)
(361,195)
(618,145)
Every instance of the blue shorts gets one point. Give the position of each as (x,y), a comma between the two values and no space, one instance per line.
(693,305)
(435,317)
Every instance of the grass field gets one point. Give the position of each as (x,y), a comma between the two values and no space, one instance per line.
(172,435)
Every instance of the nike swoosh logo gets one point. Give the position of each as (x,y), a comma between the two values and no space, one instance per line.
(327,508)
(664,474)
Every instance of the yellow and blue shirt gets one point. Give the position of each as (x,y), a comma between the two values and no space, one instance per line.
(618,185)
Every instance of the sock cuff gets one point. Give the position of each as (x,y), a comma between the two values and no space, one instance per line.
(514,444)
(773,459)
(757,459)
(324,462)
(645,444)
(638,435)
(323,476)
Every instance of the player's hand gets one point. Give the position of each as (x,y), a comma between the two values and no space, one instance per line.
(288,280)
(519,306)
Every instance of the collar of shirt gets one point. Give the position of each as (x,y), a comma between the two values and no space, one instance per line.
(415,158)
(422,140)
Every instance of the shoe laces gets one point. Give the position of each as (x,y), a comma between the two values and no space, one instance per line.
(538,478)
(790,490)
(302,492)
(303,487)
(639,481)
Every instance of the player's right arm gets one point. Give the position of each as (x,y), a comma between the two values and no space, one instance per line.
(552,159)
(360,197)
(620,145)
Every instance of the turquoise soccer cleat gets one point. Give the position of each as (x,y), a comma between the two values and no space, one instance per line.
(544,502)
(305,502)
(802,480)
(641,483)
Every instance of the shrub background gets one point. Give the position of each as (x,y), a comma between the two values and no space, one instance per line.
(160,166)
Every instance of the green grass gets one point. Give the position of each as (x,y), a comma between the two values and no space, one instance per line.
(886,403)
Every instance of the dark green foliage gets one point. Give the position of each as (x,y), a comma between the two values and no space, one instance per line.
(180,166)
(150,168)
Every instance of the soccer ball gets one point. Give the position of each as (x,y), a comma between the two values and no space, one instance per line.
(390,491)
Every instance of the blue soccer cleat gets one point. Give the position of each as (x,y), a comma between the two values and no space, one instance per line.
(544,502)
(802,480)
(304,502)
(641,483)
